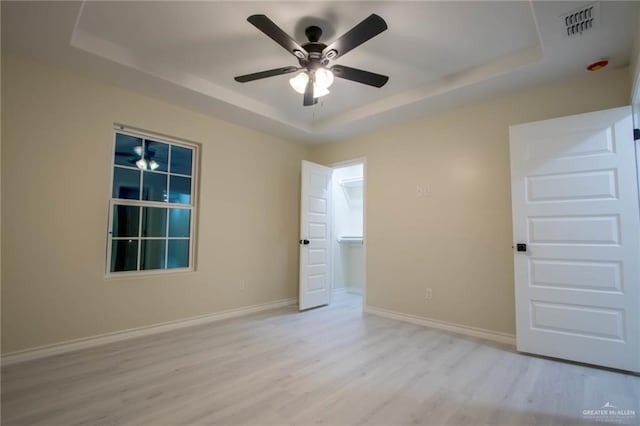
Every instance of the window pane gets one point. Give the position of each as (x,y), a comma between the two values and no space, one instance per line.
(181,160)
(158,153)
(128,150)
(178,256)
(179,221)
(154,222)
(124,255)
(154,187)
(180,190)
(125,221)
(126,183)
(152,254)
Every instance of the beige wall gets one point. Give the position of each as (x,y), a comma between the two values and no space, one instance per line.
(56,153)
(57,145)
(634,75)
(458,240)
(634,68)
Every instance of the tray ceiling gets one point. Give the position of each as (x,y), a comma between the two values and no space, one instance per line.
(437,54)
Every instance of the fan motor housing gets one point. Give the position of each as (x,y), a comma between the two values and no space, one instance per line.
(313,33)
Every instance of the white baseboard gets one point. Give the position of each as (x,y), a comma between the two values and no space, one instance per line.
(116,336)
(339,290)
(481,333)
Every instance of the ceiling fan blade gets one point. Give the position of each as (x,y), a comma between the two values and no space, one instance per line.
(359,76)
(365,30)
(265,74)
(308,99)
(267,26)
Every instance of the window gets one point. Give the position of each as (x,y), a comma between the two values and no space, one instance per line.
(152,204)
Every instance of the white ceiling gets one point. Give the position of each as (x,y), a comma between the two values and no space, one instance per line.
(437,54)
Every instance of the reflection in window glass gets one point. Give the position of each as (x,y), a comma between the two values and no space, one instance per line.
(152,254)
(154,222)
(126,183)
(154,187)
(181,160)
(180,190)
(125,221)
(124,255)
(157,155)
(179,222)
(128,150)
(178,255)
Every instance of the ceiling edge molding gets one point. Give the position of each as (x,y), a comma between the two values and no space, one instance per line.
(449,83)
(96,46)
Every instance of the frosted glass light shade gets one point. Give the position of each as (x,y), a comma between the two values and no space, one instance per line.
(142,164)
(299,82)
(319,91)
(324,78)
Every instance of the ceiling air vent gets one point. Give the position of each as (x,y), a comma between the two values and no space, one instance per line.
(581,20)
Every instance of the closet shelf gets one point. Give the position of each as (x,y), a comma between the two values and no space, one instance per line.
(352,188)
(354,182)
(350,239)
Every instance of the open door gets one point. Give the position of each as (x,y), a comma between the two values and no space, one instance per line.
(575,206)
(315,236)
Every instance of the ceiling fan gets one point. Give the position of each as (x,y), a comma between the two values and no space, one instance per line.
(314,57)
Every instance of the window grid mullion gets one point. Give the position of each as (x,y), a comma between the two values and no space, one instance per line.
(144,144)
(166,245)
(152,238)
(141,173)
(181,175)
(160,172)
(169,174)
(159,204)
(194,169)
(139,236)
(167,238)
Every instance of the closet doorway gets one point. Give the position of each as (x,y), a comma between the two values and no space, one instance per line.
(332,234)
(348,242)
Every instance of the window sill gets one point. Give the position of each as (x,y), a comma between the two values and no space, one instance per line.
(121,276)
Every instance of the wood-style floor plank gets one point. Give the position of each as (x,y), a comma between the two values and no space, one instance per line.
(331,365)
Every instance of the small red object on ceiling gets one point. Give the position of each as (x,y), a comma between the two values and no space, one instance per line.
(597,65)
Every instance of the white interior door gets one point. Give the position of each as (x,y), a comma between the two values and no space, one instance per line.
(575,205)
(315,236)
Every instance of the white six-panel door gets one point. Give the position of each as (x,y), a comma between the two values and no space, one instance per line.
(315,238)
(575,205)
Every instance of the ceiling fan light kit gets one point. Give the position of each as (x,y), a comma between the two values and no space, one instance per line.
(323,78)
(314,57)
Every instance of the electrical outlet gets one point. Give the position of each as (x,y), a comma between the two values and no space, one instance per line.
(243,285)
(428,295)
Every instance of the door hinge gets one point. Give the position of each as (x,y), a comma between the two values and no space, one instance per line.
(636,134)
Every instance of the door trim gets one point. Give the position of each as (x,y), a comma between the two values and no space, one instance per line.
(340,164)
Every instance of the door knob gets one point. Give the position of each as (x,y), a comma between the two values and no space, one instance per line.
(304,242)
(522,247)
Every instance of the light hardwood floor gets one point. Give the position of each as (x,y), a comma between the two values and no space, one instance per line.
(331,365)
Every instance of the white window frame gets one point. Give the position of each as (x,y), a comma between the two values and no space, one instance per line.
(195,159)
